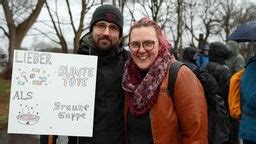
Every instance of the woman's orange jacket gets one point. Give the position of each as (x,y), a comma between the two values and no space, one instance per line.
(182,118)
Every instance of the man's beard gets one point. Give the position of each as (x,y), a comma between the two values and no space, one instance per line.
(104,49)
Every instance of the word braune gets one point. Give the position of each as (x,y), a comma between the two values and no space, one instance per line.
(70,112)
(73,76)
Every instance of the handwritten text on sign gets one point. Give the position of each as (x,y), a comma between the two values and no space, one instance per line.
(52,93)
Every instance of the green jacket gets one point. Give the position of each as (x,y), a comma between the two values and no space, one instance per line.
(236,61)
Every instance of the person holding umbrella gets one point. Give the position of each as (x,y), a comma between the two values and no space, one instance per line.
(247,132)
(248,100)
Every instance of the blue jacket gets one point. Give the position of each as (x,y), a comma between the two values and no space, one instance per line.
(202,61)
(248,102)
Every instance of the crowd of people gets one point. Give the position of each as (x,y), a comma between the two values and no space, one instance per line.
(132,104)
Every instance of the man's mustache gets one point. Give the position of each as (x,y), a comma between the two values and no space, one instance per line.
(105,38)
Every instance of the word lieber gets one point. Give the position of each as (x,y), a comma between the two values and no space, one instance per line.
(33,58)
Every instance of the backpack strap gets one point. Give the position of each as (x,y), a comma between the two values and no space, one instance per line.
(173,72)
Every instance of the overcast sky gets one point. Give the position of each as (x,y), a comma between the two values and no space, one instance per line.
(32,38)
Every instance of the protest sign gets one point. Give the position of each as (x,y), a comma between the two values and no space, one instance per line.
(52,93)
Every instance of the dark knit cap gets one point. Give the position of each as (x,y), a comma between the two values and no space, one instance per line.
(108,13)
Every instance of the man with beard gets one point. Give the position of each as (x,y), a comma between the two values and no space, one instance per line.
(104,41)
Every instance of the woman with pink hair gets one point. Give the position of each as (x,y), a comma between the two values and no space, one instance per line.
(151,115)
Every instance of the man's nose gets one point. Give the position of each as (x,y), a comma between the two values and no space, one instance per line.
(106,31)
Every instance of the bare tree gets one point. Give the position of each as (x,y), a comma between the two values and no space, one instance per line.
(58,25)
(232,15)
(179,26)
(246,13)
(154,8)
(190,17)
(167,13)
(18,29)
(122,4)
(227,13)
(77,32)
(206,20)
(131,10)
(57,28)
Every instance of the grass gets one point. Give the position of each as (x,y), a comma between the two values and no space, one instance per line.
(5,86)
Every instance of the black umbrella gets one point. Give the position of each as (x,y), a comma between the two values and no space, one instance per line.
(244,33)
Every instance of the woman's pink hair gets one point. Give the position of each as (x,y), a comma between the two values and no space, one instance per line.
(146,22)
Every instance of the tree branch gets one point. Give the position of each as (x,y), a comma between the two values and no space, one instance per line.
(8,16)
(46,35)
(5,32)
(71,17)
(23,28)
(50,14)
(58,20)
(131,12)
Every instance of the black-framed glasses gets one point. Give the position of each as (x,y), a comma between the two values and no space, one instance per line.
(147,45)
(101,26)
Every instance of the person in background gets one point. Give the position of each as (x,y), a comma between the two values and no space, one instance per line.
(218,54)
(203,57)
(103,40)
(235,63)
(152,115)
(248,100)
(218,117)
(174,53)
(189,57)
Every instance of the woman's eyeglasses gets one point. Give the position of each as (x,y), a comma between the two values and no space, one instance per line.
(147,45)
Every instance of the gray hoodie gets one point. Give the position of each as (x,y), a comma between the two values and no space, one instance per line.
(236,61)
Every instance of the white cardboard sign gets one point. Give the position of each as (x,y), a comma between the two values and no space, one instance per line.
(52,94)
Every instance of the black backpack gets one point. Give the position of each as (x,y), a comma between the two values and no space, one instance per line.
(218,117)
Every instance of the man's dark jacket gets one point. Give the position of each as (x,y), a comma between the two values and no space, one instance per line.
(108,125)
(217,67)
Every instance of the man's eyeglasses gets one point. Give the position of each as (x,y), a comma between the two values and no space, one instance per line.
(147,45)
(102,26)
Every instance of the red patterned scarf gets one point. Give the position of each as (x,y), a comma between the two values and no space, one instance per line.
(142,92)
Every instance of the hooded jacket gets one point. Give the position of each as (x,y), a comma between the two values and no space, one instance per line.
(188,58)
(248,102)
(236,61)
(218,53)
(108,125)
